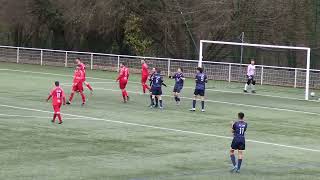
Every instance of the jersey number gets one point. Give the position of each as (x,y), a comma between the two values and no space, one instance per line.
(58,94)
(241,131)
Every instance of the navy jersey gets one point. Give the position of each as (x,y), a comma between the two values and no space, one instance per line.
(239,129)
(201,80)
(150,78)
(157,80)
(178,78)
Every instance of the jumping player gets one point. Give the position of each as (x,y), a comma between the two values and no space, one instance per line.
(58,98)
(201,80)
(83,69)
(238,143)
(179,81)
(250,75)
(77,85)
(144,76)
(156,88)
(123,80)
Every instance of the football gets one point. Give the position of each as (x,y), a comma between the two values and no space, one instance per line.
(312,94)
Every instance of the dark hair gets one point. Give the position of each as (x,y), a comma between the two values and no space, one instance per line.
(158,70)
(240,115)
(200,69)
(123,63)
(78,58)
(57,83)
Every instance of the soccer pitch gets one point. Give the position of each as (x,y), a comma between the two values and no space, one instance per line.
(107,139)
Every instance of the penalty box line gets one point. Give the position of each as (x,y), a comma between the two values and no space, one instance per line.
(164,128)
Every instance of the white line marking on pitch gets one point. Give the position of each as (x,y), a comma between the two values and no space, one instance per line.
(214,90)
(164,128)
(37,117)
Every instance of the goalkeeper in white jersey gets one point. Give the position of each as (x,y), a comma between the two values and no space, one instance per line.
(250,75)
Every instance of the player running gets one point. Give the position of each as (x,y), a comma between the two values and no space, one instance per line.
(123,80)
(144,76)
(179,81)
(77,86)
(250,75)
(58,98)
(83,68)
(201,80)
(238,143)
(156,88)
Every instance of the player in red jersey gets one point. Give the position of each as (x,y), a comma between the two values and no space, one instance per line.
(83,68)
(144,76)
(77,86)
(58,98)
(123,80)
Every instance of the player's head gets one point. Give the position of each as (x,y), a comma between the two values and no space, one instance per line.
(252,61)
(241,115)
(143,61)
(158,70)
(199,70)
(180,69)
(57,83)
(153,70)
(123,64)
(78,60)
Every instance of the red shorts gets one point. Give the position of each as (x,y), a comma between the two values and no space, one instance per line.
(123,84)
(56,108)
(78,87)
(144,79)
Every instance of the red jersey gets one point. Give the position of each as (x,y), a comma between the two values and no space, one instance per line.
(57,95)
(78,76)
(82,67)
(124,74)
(144,70)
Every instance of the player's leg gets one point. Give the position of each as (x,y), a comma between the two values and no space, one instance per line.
(194,101)
(54,113)
(59,114)
(88,86)
(253,84)
(240,157)
(144,85)
(160,101)
(246,85)
(71,95)
(233,160)
(83,97)
(202,103)
(151,99)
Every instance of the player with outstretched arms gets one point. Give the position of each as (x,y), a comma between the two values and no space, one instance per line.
(179,81)
(77,86)
(239,129)
(83,69)
(156,88)
(250,75)
(123,81)
(201,80)
(58,98)
(144,76)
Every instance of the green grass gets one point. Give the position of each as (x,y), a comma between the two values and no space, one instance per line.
(93,144)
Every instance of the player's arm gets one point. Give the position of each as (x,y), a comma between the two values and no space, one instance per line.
(49,97)
(233,128)
(183,78)
(120,76)
(63,98)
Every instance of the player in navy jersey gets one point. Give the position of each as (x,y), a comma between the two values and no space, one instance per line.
(156,88)
(201,80)
(239,129)
(153,71)
(179,81)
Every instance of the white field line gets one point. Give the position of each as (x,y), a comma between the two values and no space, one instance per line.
(36,117)
(232,92)
(164,128)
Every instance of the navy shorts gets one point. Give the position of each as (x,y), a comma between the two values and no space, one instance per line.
(199,92)
(177,88)
(156,91)
(238,144)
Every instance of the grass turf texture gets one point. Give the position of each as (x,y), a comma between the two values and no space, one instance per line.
(89,146)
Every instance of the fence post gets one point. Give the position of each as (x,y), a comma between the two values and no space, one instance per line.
(118,68)
(91,62)
(169,65)
(66,60)
(261,77)
(295,77)
(18,55)
(41,57)
(229,79)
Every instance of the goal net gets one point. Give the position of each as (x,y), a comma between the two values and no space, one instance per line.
(282,71)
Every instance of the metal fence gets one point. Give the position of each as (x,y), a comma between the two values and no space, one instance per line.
(231,72)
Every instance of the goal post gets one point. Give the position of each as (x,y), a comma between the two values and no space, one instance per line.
(306,49)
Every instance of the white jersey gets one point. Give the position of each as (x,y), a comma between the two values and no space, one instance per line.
(251,70)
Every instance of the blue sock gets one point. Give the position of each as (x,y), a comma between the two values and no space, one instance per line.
(194,103)
(176,98)
(160,103)
(239,163)
(152,100)
(202,104)
(233,159)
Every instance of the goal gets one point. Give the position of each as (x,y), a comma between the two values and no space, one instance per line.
(297,74)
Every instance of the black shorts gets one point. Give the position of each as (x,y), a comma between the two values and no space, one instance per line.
(238,144)
(199,92)
(177,88)
(156,91)
(251,80)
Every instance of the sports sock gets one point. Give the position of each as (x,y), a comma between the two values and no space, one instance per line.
(239,163)
(89,87)
(202,104)
(144,88)
(157,101)
(176,98)
(160,102)
(179,99)
(246,87)
(59,117)
(54,117)
(233,159)
(83,97)
(152,100)
(71,96)
(194,102)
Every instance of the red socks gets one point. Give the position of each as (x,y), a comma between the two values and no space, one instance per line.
(71,96)
(89,87)
(59,117)
(145,87)
(55,116)
(83,97)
